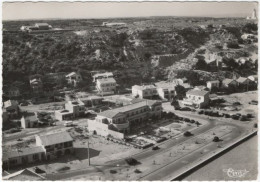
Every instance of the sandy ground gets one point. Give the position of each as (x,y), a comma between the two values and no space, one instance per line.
(244,99)
(238,159)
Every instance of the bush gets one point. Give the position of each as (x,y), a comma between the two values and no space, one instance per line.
(137,171)
(113,171)
(232,45)
(131,161)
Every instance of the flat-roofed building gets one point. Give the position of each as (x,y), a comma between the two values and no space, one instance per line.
(144,91)
(127,117)
(166,90)
(196,98)
(106,86)
(29,120)
(73,78)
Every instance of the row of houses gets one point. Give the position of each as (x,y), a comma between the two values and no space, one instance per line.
(163,90)
(47,147)
(241,81)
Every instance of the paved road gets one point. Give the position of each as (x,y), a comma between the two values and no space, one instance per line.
(148,153)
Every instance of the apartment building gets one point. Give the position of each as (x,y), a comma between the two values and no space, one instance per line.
(128,117)
(196,98)
(144,91)
(166,90)
(55,144)
(73,78)
(106,86)
(102,75)
(72,110)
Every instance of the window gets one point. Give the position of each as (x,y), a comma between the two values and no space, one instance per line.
(13,161)
(35,157)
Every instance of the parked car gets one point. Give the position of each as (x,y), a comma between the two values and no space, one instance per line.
(216,139)
(131,161)
(68,123)
(155,148)
(253,102)
(187,133)
(185,109)
(227,115)
(234,116)
(201,112)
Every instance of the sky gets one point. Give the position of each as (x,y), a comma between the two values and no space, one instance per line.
(64,10)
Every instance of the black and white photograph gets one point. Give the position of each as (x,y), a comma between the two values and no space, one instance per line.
(129,91)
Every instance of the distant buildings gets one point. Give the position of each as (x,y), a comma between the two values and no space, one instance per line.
(91,101)
(12,108)
(106,86)
(114,24)
(72,110)
(29,120)
(226,83)
(36,85)
(196,98)
(211,84)
(73,78)
(36,27)
(102,75)
(13,92)
(144,91)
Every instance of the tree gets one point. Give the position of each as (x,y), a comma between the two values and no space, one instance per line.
(201,65)
(180,91)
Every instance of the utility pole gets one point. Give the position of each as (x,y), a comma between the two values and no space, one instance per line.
(88,154)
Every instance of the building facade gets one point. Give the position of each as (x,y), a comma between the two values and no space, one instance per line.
(29,120)
(144,91)
(106,86)
(55,144)
(73,78)
(196,98)
(211,84)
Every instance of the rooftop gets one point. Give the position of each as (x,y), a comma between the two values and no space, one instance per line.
(198,92)
(55,138)
(111,113)
(241,79)
(144,87)
(10,103)
(228,81)
(30,116)
(107,80)
(103,74)
(22,152)
(24,175)
(213,81)
(165,85)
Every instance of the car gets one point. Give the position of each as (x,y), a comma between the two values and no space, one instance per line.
(155,148)
(19,139)
(253,102)
(68,123)
(236,117)
(227,115)
(187,133)
(216,139)
(201,112)
(243,118)
(131,161)
(185,109)
(187,120)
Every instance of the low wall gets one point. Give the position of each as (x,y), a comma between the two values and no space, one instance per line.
(102,129)
(226,148)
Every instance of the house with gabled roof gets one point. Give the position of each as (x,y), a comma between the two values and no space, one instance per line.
(12,108)
(55,144)
(243,81)
(73,78)
(229,83)
(29,120)
(22,156)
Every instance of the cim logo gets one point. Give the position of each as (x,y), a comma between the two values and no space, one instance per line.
(232,173)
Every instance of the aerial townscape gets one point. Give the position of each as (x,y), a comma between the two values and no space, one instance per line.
(147,98)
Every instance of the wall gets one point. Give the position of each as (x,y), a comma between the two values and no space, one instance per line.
(102,129)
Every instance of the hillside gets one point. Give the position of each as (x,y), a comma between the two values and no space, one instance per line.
(120,49)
